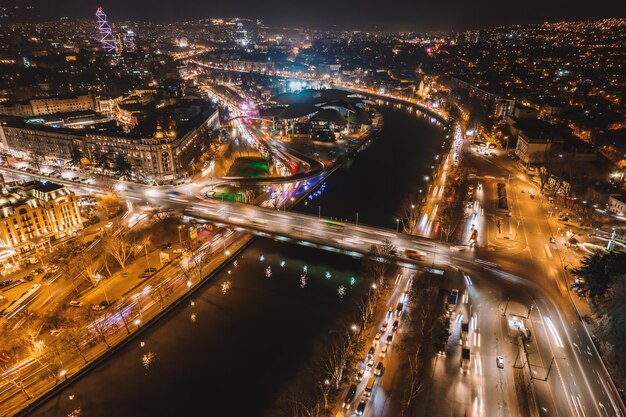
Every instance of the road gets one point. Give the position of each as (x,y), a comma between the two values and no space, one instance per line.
(578,384)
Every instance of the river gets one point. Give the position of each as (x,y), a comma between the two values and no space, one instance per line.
(230,353)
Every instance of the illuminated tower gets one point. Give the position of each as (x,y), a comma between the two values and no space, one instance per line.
(106,36)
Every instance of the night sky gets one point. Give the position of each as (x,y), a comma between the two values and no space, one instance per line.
(347,14)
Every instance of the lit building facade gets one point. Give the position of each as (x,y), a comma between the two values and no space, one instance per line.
(37,212)
(165,156)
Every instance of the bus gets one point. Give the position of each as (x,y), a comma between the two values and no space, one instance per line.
(369,388)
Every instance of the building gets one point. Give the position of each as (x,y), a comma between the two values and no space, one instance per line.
(617,204)
(49,105)
(532,149)
(167,153)
(34,213)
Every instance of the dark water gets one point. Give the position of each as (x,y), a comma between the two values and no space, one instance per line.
(246,344)
(375,183)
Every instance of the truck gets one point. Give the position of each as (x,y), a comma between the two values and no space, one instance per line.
(465,334)
(465,360)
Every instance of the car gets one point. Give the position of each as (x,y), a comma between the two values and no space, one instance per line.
(380,368)
(371,352)
(552,239)
(452,299)
(145,275)
(399,309)
(359,375)
(39,271)
(168,245)
(360,409)
(6,282)
(389,339)
(97,307)
(390,312)
(394,326)
(108,225)
(76,303)
(370,365)
(55,332)
(531,195)
(384,328)
(150,269)
(350,396)
(500,362)
(179,250)
(47,276)
(442,348)
(377,339)
(28,277)
(383,351)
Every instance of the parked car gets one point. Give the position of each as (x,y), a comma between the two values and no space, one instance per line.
(500,362)
(151,269)
(76,303)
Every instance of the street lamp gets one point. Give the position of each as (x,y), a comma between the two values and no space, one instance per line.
(397,225)
(180,239)
(63,373)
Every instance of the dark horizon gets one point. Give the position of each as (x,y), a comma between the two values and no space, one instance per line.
(407,15)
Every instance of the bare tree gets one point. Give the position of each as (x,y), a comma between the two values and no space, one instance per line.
(382,255)
(98,323)
(68,265)
(118,244)
(15,375)
(74,335)
(90,264)
(334,361)
(415,386)
(450,215)
(410,212)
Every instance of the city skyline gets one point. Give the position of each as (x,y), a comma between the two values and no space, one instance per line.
(327,15)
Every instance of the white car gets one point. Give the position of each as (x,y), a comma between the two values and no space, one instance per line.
(500,362)
(179,250)
(76,303)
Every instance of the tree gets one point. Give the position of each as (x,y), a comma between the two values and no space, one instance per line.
(74,334)
(99,323)
(37,159)
(122,165)
(112,204)
(334,360)
(118,244)
(68,265)
(381,255)
(90,264)
(102,159)
(410,212)
(450,214)
(76,155)
(15,376)
(599,270)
